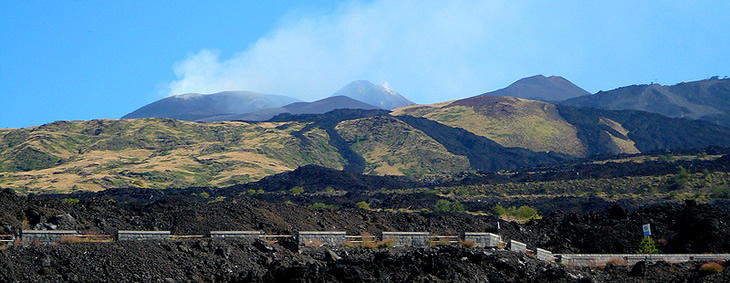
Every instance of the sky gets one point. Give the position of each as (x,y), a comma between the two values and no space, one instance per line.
(82,60)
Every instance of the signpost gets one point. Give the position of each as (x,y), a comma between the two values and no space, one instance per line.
(647,230)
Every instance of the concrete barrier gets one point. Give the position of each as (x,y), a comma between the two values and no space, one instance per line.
(545,255)
(410,239)
(602,259)
(236,234)
(127,235)
(483,240)
(7,240)
(46,236)
(516,246)
(324,238)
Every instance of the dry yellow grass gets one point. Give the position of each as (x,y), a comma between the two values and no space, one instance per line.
(621,145)
(511,122)
(161,153)
(392,147)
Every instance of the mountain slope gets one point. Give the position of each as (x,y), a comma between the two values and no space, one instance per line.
(368,92)
(509,121)
(544,127)
(539,87)
(317,107)
(707,100)
(158,153)
(198,106)
(392,147)
(640,131)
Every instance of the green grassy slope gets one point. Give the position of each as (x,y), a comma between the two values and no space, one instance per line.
(99,154)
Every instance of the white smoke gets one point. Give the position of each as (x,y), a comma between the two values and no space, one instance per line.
(436,50)
(412,42)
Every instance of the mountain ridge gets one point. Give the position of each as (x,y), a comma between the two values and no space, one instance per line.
(539,87)
(194,106)
(378,95)
(707,100)
(316,107)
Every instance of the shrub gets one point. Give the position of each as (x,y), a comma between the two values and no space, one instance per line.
(71,239)
(368,245)
(368,241)
(217,199)
(526,212)
(467,243)
(667,157)
(616,261)
(444,206)
(710,268)
(387,243)
(319,205)
(499,211)
(681,179)
(457,207)
(523,212)
(296,190)
(444,242)
(363,205)
(204,195)
(71,200)
(720,192)
(647,246)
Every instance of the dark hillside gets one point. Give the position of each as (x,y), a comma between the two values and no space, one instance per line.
(648,131)
(316,178)
(707,100)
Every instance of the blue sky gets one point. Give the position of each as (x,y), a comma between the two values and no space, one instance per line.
(80,60)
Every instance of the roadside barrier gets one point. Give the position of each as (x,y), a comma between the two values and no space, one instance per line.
(339,238)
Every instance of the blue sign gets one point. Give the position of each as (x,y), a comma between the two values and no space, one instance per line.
(647,230)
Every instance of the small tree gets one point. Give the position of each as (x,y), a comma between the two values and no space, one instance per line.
(526,212)
(681,179)
(647,246)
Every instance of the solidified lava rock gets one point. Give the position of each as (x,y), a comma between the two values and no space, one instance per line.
(240,260)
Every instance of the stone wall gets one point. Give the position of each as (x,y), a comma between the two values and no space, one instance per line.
(516,246)
(545,255)
(483,240)
(410,239)
(602,259)
(236,234)
(142,235)
(46,236)
(321,238)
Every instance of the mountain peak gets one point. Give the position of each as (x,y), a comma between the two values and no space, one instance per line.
(379,95)
(195,106)
(539,87)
